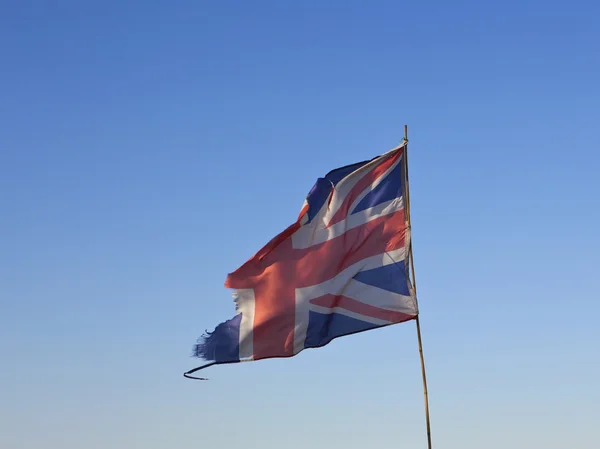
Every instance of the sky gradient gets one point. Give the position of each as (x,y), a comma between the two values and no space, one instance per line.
(149,148)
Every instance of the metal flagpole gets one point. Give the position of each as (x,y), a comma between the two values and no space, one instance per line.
(414,283)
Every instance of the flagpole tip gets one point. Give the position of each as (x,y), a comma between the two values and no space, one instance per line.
(406,132)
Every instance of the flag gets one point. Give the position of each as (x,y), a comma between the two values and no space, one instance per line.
(340,269)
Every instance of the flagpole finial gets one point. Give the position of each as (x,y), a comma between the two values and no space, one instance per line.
(405,132)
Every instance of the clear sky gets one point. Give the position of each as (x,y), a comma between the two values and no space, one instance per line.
(149,148)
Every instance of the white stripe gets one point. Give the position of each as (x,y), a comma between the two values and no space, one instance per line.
(348,313)
(244,299)
(302,316)
(377,297)
(304,217)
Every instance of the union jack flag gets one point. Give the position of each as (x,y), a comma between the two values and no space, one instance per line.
(341,268)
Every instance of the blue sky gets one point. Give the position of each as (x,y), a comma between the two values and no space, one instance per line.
(149,148)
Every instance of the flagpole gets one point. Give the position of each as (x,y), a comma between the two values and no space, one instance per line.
(414,282)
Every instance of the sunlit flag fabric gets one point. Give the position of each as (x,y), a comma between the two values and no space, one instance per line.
(340,269)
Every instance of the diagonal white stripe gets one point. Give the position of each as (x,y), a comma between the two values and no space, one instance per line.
(377,297)
(343,188)
(350,314)
(372,186)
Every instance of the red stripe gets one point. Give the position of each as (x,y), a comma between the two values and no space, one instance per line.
(361,185)
(352,305)
(302,212)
